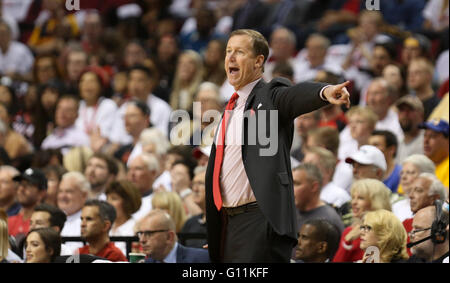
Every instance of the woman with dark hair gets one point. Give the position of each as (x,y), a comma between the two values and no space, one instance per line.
(125,197)
(42,245)
(44,110)
(95,113)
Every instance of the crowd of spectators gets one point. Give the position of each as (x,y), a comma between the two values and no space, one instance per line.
(90,148)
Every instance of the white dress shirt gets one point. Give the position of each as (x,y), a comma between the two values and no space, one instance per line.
(17,59)
(72,228)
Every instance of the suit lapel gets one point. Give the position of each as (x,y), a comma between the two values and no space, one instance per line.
(252,95)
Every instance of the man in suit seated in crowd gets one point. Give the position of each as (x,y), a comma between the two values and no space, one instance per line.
(158,238)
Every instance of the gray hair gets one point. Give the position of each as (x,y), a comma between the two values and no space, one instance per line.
(436,186)
(80,180)
(312,172)
(150,161)
(157,138)
(163,217)
(422,162)
(199,169)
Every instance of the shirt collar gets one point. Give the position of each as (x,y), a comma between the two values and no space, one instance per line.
(246,90)
(172,256)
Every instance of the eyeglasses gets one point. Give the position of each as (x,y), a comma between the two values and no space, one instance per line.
(149,233)
(413,232)
(365,228)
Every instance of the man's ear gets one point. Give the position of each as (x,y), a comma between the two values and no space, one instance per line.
(259,61)
(323,246)
(107,225)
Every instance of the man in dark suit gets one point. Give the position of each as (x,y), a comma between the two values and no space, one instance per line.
(250,209)
(158,238)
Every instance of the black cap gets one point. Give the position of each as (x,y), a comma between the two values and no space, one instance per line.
(34,176)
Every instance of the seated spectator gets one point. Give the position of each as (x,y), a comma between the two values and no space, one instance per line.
(16,59)
(315,60)
(8,190)
(367,195)
(436,14)
(318,241)
(436,147)
(66,135)
(410,116)
(406,14)
(197,223)
(45,69)
(213,62)
(188,77)
(387,143)
(426,188)
(420,78)
(126,199)
(380,97)
(396,77)
(383,230)
(198,39)
(172,204)
(158,238)
(415,46)
(96,112)
(141,85)
(42,245)
(325,161)
(428,250)
(142,172)
(100,171)
(137,118)
(412,167)
(97,218)
(307,188)
(48,216)
(368,162)
(72,194)
(361,123)
(76,63)
(31,190)
(282,44)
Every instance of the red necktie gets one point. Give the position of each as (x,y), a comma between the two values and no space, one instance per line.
(219,152)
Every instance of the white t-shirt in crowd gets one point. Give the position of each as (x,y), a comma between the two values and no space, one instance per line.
(102,116)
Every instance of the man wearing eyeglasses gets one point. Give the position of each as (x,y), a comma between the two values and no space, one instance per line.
(158,238)
(426,251)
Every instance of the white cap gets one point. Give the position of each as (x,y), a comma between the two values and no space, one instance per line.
(368,155)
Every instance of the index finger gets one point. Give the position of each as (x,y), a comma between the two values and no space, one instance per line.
(344,84)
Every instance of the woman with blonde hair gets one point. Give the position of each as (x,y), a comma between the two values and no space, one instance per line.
(172,203)
(188,76)
(367,195)
(383,230)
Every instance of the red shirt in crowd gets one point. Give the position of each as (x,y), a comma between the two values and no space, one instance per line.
(348,251)
(109,252)
(18,225)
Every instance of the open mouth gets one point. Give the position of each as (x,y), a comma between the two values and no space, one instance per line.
(233,70)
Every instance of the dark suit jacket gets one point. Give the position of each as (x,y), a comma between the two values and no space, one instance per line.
(188,255)
(270,176)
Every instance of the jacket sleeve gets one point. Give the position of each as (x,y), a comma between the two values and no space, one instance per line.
(293,101)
